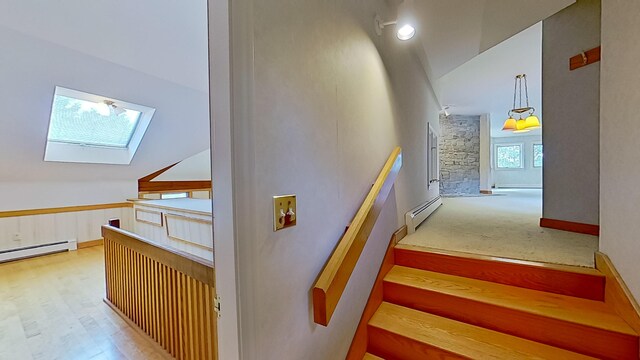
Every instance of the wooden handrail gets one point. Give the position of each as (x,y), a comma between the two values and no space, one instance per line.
(188,264)
(336,273)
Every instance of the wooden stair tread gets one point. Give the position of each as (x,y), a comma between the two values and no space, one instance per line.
(587,283)
(566,308)
(459,338)
(559,267)
(368,356)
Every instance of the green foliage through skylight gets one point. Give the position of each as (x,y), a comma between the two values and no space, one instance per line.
(84,122)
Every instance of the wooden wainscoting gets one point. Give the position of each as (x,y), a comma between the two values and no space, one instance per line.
(167,293)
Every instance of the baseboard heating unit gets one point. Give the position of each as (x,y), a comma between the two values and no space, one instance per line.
(416,216)
(36,250)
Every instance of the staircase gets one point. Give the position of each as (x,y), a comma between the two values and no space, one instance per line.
(438,304)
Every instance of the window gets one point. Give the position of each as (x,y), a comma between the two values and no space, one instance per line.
(181,195)
(89,128)
(509,156)
(537,155)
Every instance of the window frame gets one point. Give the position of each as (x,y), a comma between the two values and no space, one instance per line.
(495,150)
(56,151)
(533,156)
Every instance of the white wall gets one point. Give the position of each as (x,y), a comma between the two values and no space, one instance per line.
(29,77)
(321,102)
(196,167)
(528,176)
(48,194)
(619,133)
(81,226)
(571,115)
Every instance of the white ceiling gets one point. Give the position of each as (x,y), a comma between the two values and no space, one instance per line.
(452,32)
(196,167)
(163,38)
(148,52)
(484,85)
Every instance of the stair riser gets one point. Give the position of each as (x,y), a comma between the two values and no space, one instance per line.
(531,277)
(582,339)
(392,346)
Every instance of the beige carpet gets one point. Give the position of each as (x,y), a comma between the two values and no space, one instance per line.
(505,225)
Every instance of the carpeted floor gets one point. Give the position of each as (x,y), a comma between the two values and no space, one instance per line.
(505,226)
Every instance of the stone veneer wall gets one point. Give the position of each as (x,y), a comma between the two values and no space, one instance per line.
(459,155)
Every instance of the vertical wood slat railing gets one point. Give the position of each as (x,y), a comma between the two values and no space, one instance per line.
(336,273)
(168,294)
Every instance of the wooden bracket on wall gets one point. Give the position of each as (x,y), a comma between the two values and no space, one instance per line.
(585,58)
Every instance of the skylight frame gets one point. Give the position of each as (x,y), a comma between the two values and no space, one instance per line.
(58,151)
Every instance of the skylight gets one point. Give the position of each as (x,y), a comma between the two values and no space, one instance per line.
(93,129)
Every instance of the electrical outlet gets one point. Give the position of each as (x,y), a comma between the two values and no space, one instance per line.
(17,237)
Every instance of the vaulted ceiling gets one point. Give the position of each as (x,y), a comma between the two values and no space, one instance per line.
(148,52)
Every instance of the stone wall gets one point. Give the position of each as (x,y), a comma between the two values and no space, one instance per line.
(459,155)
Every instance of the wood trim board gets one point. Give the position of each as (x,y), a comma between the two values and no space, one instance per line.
(150,212)
(616,293)
(187,218)
(87,244)
(360,340)
(65,209)
(583,59)
(571,226)
(158,186)
(172,208)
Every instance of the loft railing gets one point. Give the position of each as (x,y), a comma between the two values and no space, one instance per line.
(336,273)
(168,294)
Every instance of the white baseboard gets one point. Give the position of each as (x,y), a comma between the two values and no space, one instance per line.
(416,216)
(31,251)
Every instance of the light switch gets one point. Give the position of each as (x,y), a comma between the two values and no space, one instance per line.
(284,212)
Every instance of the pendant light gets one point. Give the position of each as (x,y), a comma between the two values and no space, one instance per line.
(531,121)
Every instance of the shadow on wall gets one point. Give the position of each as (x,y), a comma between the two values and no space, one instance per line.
(460,155)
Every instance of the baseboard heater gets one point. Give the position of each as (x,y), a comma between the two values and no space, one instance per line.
(416,216)
(35,250)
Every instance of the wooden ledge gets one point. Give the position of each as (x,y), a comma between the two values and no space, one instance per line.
(588,229)
(65,209)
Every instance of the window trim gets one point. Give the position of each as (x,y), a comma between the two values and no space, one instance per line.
(533,155)
(56,151)
(521,145)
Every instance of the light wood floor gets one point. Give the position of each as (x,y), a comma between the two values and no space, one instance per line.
(51,308)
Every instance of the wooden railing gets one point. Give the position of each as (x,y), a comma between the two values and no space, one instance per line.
(166,293)
(335,275)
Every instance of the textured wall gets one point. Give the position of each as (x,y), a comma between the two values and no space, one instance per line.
(459,154)
(571,115)
(619,165)
(326,102)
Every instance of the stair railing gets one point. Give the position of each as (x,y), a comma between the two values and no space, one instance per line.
(336,273)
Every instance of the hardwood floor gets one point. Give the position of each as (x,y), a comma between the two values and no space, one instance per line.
(51,308)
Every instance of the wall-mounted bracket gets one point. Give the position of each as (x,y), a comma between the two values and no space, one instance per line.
(584,58)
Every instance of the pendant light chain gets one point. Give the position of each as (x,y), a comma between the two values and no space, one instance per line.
(526,88)
(531,121)
(515,88)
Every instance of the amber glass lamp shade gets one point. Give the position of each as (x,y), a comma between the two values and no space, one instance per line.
(509,124)
(532,122)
